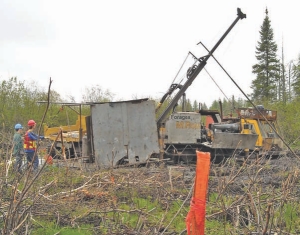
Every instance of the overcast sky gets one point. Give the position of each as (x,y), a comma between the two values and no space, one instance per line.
(135,48)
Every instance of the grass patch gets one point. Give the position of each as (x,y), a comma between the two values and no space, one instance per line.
(50,228)
(177,223)
(213,227)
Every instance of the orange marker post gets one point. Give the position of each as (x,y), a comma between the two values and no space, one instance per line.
(195,219)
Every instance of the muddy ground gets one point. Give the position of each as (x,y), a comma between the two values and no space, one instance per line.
(244,197)
(240,192)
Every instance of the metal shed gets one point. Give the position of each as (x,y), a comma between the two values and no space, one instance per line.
(124,131)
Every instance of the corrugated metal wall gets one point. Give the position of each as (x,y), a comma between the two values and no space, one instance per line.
(123,129)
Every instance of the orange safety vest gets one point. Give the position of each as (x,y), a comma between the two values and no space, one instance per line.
(29,144)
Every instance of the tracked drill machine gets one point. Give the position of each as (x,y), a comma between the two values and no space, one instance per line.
(181,133)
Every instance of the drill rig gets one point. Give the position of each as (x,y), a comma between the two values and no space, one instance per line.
(181,133)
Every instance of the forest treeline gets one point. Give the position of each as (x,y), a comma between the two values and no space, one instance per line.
(21,101)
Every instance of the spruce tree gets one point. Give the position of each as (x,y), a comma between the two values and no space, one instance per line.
(195,105)
(267,69)
(296,78)
(282,82)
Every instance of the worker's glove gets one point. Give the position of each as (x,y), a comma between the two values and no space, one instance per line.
(42,137)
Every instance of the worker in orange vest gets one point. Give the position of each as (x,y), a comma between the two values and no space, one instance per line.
(30,145)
